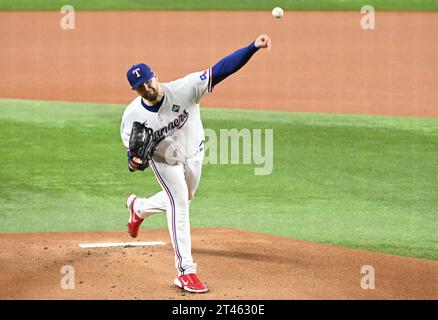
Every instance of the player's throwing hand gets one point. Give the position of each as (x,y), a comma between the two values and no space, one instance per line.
(263,41)
(135,164)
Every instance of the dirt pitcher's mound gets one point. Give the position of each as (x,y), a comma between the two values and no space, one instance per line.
(235,264)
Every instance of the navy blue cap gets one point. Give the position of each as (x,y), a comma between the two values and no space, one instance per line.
(139,74)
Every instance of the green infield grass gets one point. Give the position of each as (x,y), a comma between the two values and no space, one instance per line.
(219,4)
(357,181)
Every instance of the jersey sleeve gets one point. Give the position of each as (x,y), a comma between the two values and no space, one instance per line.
(199,83)
(232,63)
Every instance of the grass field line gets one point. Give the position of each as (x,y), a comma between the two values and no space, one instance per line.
(257,116)
(355,5)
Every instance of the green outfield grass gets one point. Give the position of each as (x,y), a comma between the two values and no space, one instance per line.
(219,4)
(356,181)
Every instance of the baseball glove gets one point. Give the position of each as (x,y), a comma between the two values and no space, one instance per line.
(141,145)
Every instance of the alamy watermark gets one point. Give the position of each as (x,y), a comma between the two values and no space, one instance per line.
(68,19)
(368,281)
(368,18)
(68,278)
(232,141)
(225,146)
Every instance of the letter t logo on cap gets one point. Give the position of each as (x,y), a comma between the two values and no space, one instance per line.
(136,72)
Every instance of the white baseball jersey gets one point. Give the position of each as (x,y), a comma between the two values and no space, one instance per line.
(177,125)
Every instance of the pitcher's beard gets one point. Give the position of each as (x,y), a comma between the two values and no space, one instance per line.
(151,96)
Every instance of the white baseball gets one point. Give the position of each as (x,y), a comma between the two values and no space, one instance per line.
(277,12)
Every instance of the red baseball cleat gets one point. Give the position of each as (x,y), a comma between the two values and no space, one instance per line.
(191,283)
(134,221)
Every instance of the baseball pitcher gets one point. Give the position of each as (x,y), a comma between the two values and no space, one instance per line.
(162,129)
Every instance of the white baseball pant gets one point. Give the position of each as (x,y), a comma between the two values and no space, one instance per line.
(179,183)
